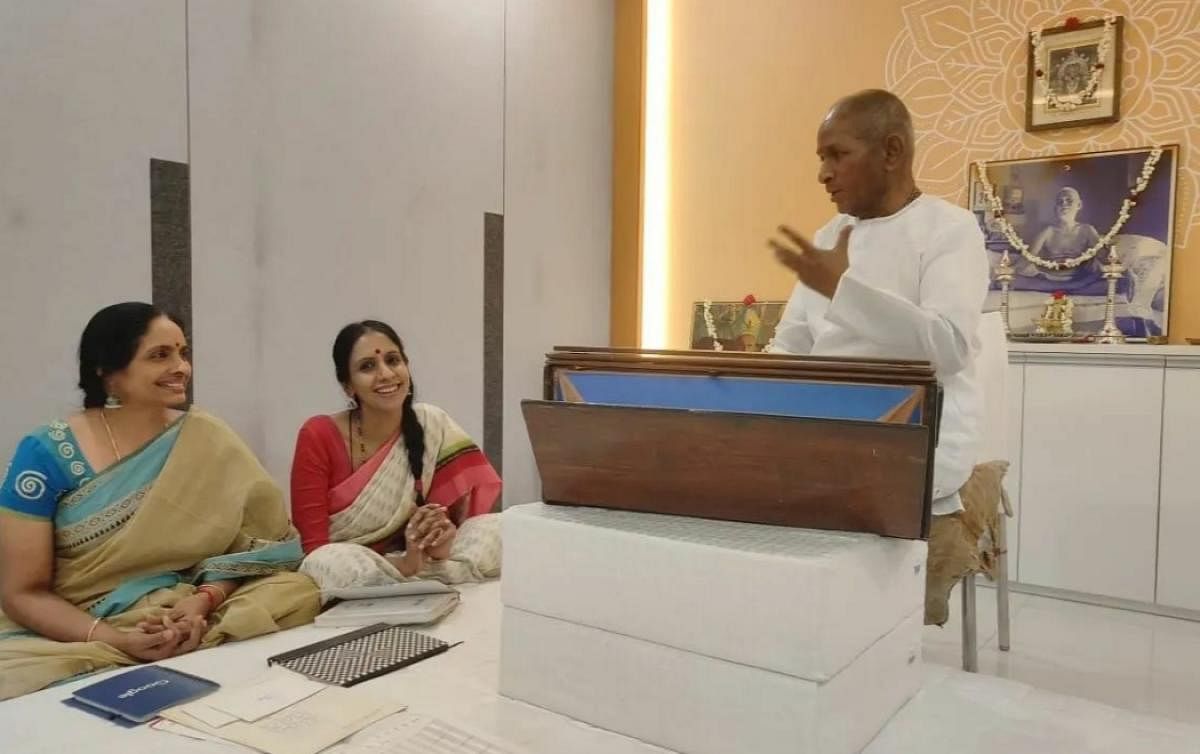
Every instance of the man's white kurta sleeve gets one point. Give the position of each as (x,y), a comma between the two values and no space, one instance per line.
(792,334)
(941,326)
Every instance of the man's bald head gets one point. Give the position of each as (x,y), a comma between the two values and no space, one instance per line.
(874,115)
(865,145)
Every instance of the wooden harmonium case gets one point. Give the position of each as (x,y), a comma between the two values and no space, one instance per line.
(822,443)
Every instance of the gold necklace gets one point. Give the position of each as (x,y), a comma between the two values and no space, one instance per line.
(111,440)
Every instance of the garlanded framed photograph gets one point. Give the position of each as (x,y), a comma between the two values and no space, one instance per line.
(1074,74)
(746,325)
(1079,246)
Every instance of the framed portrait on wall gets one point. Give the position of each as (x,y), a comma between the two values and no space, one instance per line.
(1061,208)
(1074,74)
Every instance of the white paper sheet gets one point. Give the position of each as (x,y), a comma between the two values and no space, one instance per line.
(411,733)
(307,727)
(271,692)
(166,726)
(209,716)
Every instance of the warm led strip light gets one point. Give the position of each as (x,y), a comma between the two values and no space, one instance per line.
(656,175)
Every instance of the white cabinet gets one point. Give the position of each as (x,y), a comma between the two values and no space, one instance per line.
(1179,500)
(1090,478)
(1103,440)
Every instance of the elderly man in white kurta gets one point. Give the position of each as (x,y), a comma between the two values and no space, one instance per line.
(896,274)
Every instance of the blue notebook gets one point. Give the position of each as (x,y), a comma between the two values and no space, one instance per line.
(74,703)
(140,694)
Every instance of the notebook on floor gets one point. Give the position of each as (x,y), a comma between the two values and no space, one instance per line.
(115,719)
(360,655)
(398,589)
(414,609)
(138,695)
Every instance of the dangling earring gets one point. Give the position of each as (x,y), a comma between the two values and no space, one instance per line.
(112,401)
(351,403)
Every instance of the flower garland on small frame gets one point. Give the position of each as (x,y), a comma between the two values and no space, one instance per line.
(1015,240)
(711,326)
(1069,102)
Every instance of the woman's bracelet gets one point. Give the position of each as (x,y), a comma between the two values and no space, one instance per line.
(216,595)
(92,630)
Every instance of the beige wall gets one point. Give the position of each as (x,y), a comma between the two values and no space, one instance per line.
(751,81)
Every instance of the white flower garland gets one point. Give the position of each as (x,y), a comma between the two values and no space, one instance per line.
(1010,233)
(711,326)
(1069,102)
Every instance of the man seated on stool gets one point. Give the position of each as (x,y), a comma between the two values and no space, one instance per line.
(896,274)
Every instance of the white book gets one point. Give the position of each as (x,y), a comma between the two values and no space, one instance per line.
(398,589)
(402,610)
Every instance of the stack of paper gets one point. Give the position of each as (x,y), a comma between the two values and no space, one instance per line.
(410,733)
(282,712)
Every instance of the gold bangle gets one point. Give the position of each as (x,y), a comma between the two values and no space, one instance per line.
(92,630)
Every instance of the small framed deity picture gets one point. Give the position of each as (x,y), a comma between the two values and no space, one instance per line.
(1074,74)
(746,325)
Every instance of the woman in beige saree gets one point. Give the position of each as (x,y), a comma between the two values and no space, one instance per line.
(132,532)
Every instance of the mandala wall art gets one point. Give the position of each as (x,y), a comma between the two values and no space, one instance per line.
(962,69)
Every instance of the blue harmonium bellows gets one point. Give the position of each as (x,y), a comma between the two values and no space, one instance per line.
(749,395)
(800,441)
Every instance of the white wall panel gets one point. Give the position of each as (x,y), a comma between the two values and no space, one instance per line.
(89,92)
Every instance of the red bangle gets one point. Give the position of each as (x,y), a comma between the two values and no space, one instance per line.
(216,595)
(212,599)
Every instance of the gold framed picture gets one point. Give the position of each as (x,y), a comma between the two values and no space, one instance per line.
(1074,74)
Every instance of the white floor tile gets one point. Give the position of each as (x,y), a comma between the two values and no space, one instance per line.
(1134,661)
